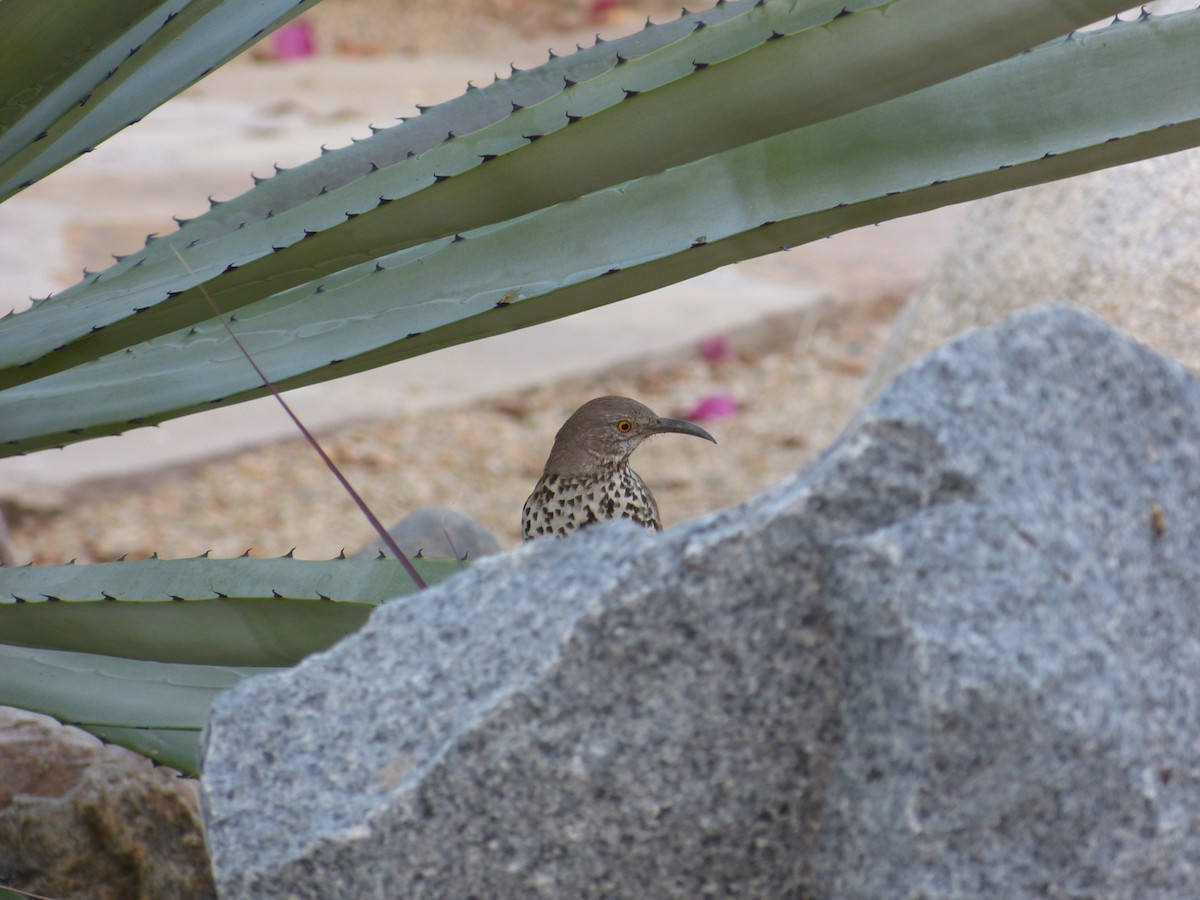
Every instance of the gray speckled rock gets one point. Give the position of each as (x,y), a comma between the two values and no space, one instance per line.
(954,658)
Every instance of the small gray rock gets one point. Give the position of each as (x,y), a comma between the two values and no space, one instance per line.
(437,532)
(954,658)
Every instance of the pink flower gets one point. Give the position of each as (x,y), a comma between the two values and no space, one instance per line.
(716,349)
(293,41)
(714,406)
(601,8)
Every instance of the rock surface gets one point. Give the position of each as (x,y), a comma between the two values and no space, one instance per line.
(436,532)
(84,819)
(1123,242)
(955,657)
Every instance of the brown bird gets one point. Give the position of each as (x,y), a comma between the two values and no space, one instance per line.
(587,477)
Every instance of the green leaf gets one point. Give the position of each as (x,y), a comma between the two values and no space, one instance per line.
(153,708)
(1069,107)
(476,109)
(81,70)
(774,67)
(222,612)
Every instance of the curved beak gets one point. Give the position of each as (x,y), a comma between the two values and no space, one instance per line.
(680,426)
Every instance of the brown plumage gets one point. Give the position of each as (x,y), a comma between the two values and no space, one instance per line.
(587,477)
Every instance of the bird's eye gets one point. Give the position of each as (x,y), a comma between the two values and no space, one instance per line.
(624,426)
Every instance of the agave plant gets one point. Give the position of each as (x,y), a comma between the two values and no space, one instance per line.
(632,164)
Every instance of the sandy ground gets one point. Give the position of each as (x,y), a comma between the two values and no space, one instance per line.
(795,377)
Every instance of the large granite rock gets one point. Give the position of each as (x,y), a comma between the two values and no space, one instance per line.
(954,658)
(1123,242)
(84,819)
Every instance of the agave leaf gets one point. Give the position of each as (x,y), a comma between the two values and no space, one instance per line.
(178,748)
(776,66)
(154,708)
(475,109)
(1069,107)
(220,612)
(79,85)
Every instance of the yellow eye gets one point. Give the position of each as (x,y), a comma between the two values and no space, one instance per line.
(624,426)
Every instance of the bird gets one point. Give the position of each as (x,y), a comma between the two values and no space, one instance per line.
(587,477)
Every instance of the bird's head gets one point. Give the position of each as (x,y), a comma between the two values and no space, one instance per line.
(603,432)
